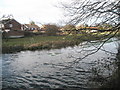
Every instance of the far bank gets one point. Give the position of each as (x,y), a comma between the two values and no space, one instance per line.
(48,42)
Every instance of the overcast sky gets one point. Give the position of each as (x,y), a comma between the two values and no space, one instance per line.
(43,11)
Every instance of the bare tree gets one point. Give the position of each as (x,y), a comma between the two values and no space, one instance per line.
(101,11)
(92,12)
(51,29)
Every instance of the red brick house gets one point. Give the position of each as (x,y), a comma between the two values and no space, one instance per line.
(12,28)
(11,24)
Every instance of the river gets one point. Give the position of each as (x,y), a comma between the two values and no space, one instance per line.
(55,68)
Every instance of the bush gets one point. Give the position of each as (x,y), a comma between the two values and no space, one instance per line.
(51,30)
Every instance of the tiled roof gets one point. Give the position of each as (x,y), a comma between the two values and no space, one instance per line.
(32,26)
(92,27)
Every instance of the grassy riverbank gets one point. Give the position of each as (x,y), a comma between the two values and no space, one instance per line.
(46,42)
(37,43)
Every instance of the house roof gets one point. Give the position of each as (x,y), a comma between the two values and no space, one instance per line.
(92,27)
(5,21)
(32,26)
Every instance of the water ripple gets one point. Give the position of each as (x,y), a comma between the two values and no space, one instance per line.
(48,69)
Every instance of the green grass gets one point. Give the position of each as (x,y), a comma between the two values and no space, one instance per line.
(37,42)
(34,39)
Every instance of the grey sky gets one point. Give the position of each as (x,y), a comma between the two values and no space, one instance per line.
(43,11)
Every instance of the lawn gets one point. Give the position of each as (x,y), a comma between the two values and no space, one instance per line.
(37,43)
(34,39)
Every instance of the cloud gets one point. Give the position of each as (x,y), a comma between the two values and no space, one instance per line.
(42,11)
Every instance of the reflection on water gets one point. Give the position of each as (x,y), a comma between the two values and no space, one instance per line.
(48,69)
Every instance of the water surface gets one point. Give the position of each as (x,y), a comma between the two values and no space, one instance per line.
(53,68)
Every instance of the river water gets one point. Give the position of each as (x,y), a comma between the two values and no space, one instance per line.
(55,68)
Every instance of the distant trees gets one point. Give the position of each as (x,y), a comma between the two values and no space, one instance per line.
(81,26)
(69,27)
(51,29)
(32,22)
(104,26)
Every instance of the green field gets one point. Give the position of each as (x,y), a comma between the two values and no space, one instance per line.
(37,42)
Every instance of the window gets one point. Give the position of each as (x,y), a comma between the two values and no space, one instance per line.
(1,25)
(10,25)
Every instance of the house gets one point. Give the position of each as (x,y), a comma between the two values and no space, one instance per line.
(11,28)
(31,27)
(10,24)
(89,29)
(92,29)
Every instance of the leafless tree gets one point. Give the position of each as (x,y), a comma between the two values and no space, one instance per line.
(92,12)
(95,11)
(51,29)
